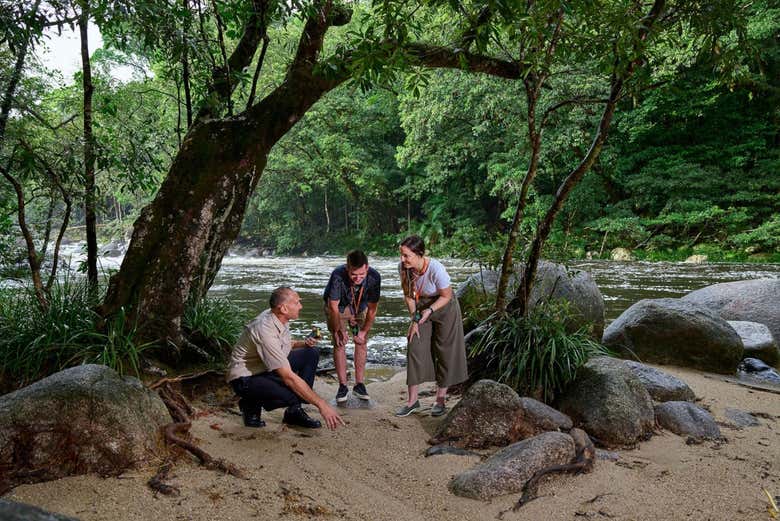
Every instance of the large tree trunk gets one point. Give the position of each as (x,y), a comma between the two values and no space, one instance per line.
(180,239)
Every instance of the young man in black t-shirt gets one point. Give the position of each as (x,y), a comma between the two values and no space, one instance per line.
(351,300)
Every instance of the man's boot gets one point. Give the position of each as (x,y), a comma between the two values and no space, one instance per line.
(295,415)
(251,414)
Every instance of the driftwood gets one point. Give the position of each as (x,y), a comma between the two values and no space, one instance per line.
(584,459)
(176,433)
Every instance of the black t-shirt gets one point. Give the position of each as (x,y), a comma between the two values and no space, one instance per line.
(340,288)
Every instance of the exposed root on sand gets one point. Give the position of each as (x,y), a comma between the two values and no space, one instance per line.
(177,434)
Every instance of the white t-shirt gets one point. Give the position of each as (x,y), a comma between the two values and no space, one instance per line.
(435,278)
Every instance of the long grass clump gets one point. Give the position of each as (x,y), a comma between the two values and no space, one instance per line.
(37,341)
(214,324)
(533,354)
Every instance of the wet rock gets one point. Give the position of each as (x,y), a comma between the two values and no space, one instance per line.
(607,455)
(740,418)
(756,370)
(758,341)
(439,450)
(81,420)
(662,387)
(676,332)
(609,402)
(696,259)
(747,300)
(687,419)
(492,414)
(508,469)
(13,511)
(553,281)
(114,248)
(622,255)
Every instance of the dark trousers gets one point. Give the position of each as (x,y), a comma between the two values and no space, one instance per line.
(267,390)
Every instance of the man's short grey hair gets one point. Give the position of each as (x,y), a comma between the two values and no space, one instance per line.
(280,295)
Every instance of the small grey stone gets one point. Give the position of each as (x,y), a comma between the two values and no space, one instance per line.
(758,341)
(741,418)
(662,387)
(687,419)
(607,455)
(13,511)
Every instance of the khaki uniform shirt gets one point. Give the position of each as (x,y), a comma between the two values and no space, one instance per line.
(263,346)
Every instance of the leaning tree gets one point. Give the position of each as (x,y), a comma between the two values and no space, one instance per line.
(180,238)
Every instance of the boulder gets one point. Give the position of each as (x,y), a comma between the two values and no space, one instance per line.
(687,419)
(115,248)
(13,511)
(696,259)
(622,255)
(662,387)
(749,300)
(553,281)
(740,419)
(492,414)
(81,420)
(756,370)
(609,402)
(758,341)
(676,332)
(507,470)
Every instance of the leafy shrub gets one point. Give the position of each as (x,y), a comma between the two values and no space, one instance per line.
(534,354)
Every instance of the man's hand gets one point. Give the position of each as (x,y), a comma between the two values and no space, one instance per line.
(310,341)
(341,338)
(360,338)
(331,417)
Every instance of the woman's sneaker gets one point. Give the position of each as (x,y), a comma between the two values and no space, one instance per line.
(341,395)
(438,409)
(360,391)
(406,410)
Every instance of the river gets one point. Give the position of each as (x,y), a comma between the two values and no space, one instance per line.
(248,281)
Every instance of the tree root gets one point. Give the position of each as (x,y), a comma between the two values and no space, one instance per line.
(584,459)
(157,482)
(175,434)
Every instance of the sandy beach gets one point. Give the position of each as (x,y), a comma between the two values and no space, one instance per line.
(374,469)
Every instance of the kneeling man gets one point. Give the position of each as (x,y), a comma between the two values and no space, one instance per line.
(268,370)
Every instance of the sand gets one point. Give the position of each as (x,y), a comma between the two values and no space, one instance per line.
(374,469)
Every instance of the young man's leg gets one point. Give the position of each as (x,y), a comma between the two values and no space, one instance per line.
(361,353)
(339,354)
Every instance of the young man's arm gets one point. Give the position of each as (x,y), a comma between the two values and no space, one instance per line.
(370,317)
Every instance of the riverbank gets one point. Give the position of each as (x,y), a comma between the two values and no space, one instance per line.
(374,468)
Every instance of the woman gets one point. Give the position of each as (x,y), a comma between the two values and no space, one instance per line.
(436,349)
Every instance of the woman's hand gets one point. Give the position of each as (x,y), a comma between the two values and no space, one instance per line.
(414,329)
(425,316)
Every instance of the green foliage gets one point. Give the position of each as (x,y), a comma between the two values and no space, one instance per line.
(534,354)
(36,342)
(216,324)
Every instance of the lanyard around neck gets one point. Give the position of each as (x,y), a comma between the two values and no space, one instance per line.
(414,277)
(355,305)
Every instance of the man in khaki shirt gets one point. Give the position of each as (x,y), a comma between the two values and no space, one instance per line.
(268,370)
